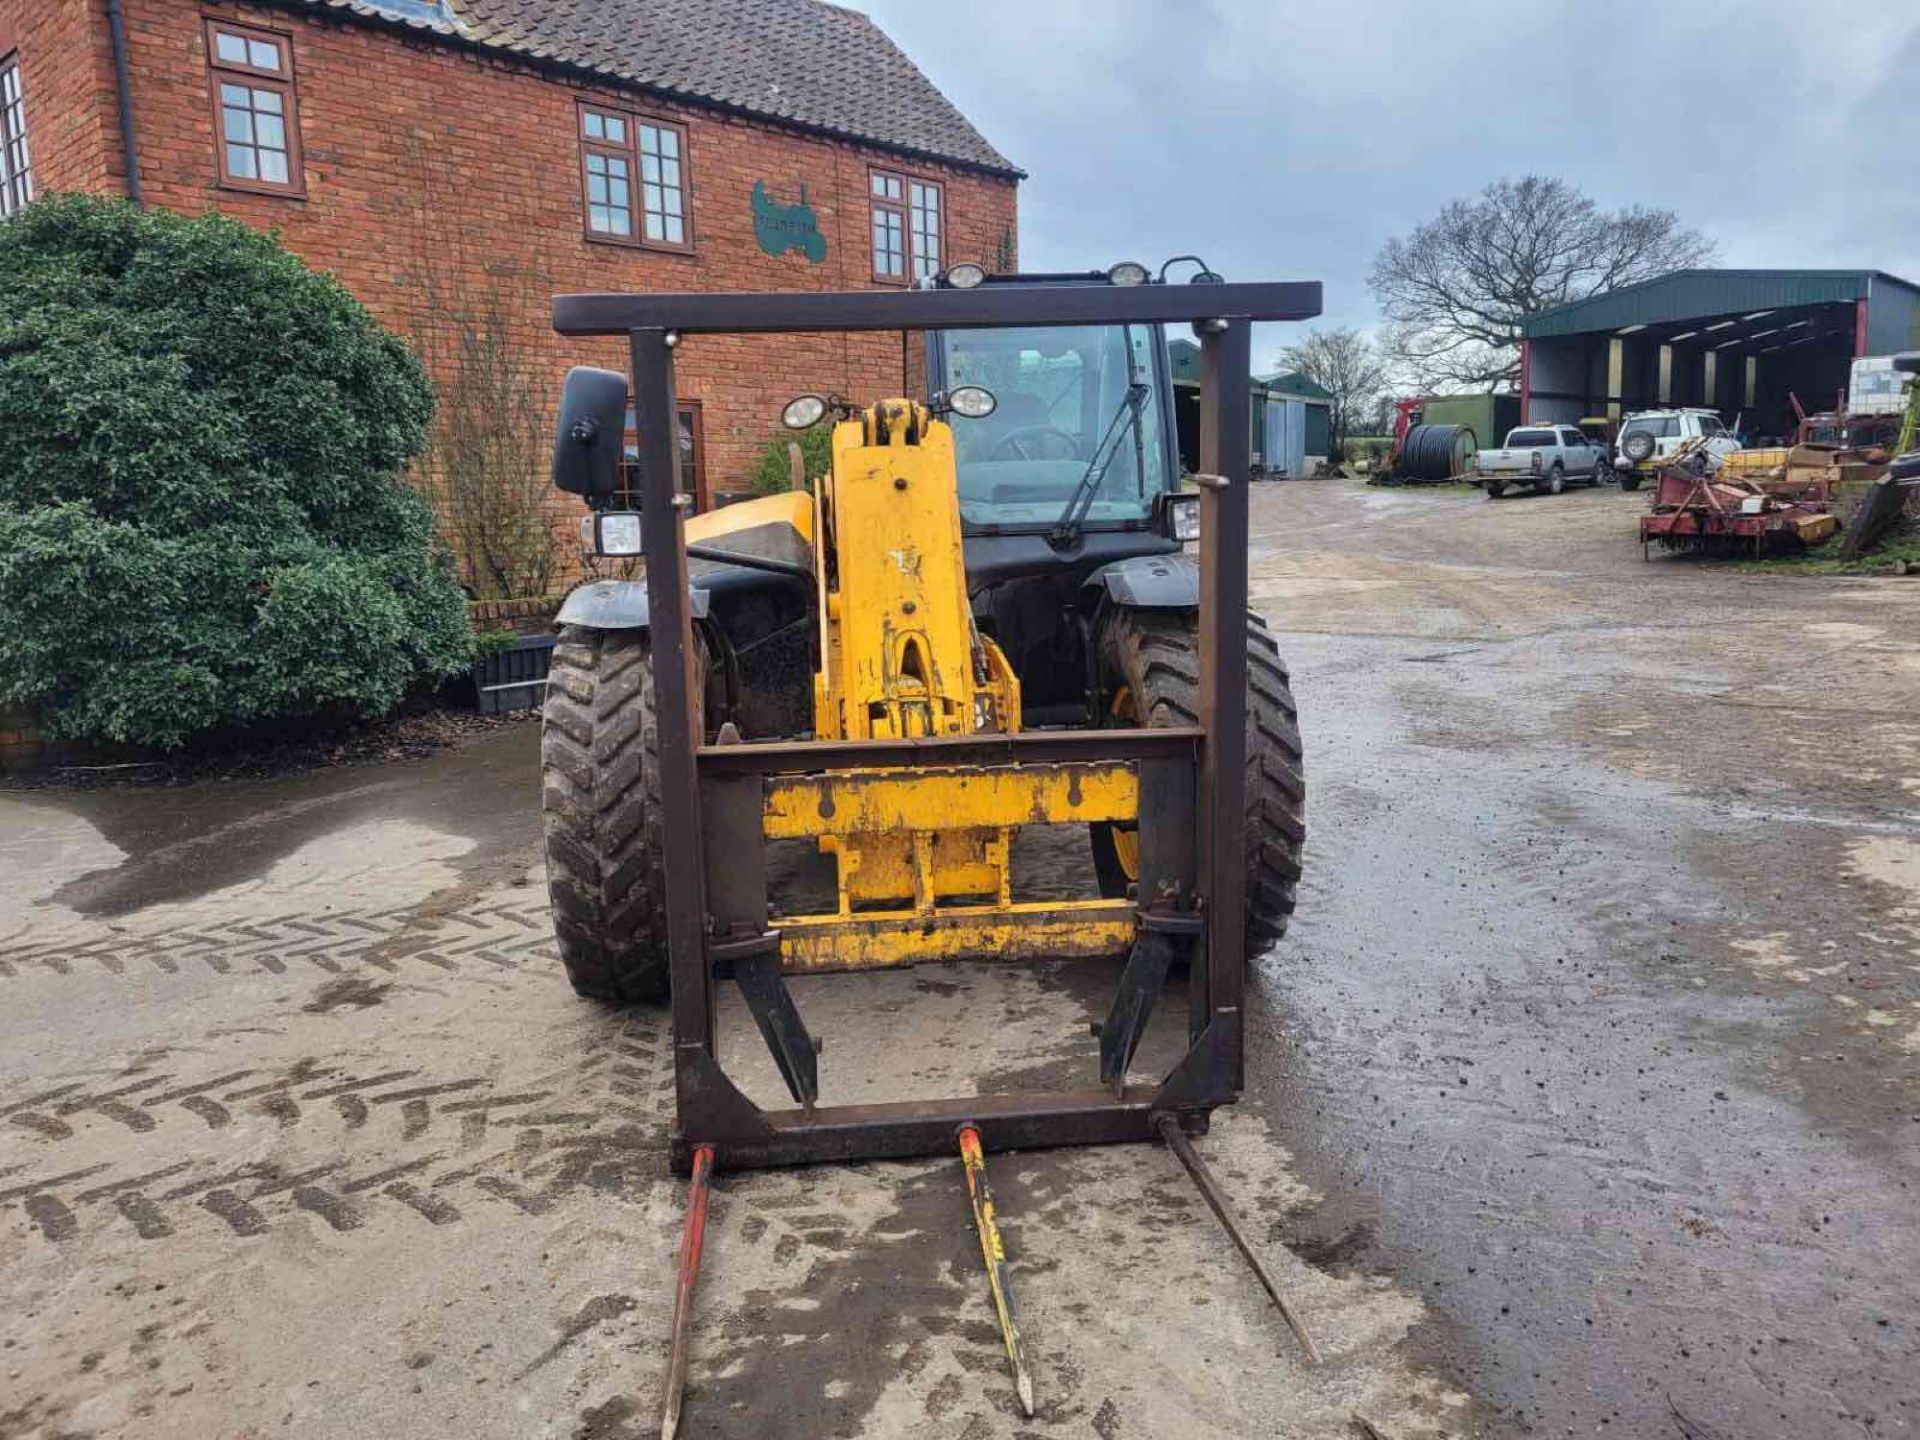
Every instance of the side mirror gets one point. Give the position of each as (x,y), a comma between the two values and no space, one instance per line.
(593,420)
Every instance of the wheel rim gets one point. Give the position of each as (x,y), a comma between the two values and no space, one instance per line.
(1126,838)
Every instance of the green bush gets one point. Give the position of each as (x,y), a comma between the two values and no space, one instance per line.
(772,473)
(203,515)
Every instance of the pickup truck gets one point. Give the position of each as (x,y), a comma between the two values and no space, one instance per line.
(1650,436)
(1543,456)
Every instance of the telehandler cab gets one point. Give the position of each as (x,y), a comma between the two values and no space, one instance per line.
(983,617)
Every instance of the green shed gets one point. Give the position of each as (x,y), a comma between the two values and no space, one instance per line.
(1318,400)
(1490,417)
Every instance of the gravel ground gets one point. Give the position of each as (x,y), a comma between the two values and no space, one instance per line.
(1584,1094)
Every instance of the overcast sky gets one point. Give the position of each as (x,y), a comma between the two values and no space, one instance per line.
(1287,140)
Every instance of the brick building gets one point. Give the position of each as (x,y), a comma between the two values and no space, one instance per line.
(457,162)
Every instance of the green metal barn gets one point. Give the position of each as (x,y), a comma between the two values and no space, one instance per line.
(1743,342)
(1291,429)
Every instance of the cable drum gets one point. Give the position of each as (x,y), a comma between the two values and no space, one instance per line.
(1438,452)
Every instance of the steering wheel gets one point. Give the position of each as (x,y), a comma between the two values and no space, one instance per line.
(1016,442)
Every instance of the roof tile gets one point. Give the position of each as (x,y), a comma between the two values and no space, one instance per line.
(804,62)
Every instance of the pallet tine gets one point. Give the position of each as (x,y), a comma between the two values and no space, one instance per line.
(1141,982)
(1176,1138)
(690,1242)
(995,1254)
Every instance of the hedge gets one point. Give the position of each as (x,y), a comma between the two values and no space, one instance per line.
(205,519)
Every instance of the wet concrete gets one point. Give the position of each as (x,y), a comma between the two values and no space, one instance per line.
(1583,1097)
(182,842)
(1588,1028)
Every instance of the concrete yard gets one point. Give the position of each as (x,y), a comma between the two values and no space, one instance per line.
(1584,1096)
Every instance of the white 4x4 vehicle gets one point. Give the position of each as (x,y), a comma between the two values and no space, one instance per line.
(1649,437)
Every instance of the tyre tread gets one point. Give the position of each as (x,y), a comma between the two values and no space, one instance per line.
(1158,655)
(600,801)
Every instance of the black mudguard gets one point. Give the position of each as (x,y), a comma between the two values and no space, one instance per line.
(617,605)
(1145,582)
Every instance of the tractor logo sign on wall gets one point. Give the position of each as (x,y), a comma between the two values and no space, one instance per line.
(782,228)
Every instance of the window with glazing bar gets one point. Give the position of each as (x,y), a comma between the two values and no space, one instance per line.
(907,223)
(255,111)
(634,173)
(16,165)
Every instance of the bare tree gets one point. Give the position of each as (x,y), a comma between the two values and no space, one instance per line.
(1349,366)
(1455,291)
(491,443)
(487,462)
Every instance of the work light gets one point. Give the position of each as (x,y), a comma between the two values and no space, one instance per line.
(1184,512)
(803,411)
(975,402)
(1128,272)
(619,532)
(965,275)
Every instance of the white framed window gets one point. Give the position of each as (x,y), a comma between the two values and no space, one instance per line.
(16,160)
(908,220)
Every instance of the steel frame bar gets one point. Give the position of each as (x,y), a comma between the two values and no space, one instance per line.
(1043,747)
(663,540)
(748,1138)
(1215,992)
(829,310)
(711,1110)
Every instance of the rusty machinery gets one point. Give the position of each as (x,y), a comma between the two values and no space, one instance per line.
(919,767)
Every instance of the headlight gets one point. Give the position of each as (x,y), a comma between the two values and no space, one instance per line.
(1128,272)
(619,532)
(965,275)
(1185,514)
(803,411)
(974,402)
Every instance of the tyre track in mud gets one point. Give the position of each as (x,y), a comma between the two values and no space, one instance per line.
(510,933)
(156,1148)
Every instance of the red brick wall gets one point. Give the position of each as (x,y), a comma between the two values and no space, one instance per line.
(435,176)
(66,72)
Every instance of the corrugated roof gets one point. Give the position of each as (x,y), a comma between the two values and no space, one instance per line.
(804,63)
(1686,294)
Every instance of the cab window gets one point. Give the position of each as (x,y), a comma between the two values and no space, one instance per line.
(1075,404)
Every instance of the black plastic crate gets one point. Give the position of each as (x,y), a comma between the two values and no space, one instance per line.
(514,678)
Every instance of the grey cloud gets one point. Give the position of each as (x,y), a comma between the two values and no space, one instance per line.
(1288,140)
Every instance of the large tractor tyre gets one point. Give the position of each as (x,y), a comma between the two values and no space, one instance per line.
(600,797)
(1152,661)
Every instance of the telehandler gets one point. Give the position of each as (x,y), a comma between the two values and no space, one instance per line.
(983,617)
(1018,567)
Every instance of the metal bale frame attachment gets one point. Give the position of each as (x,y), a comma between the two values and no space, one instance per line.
(1191,781)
